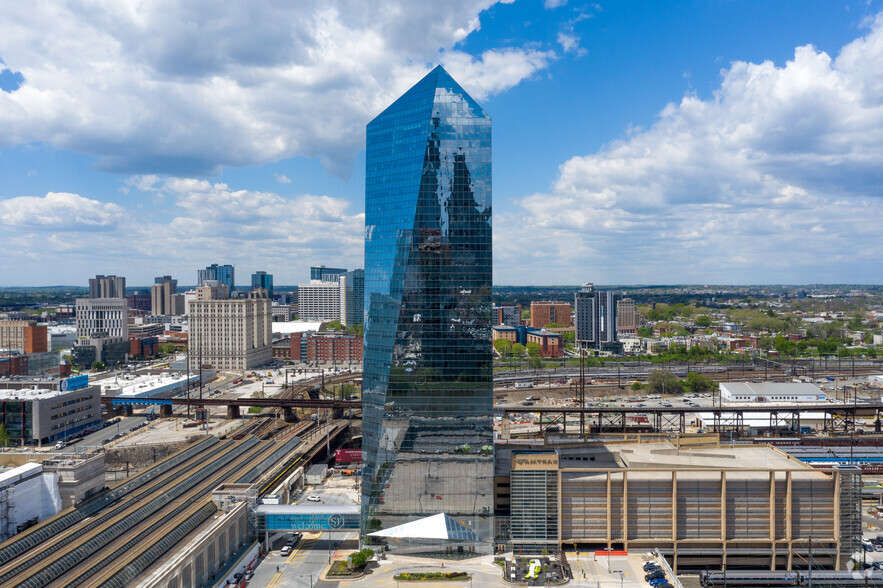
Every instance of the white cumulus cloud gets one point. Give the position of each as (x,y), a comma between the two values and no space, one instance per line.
(59,211)
(773,178)
(186,87)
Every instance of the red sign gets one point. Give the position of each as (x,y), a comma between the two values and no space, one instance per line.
(347,455)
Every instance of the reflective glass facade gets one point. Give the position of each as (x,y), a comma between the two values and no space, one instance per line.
(427,391)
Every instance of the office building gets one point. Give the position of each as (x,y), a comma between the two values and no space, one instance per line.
(220,273)
(229,334)
(107,287)
(40,415)
(263,280)
(507,314)
(102,331)
(319,301)
(326,274)
(594,317)
(352,298)
(282,313)
(627,318)
(25,336)
(164,297)
(543,314)
(427,392)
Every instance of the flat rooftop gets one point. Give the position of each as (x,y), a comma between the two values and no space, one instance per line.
(772,389)
(29,394)
(129,384)
(664,454)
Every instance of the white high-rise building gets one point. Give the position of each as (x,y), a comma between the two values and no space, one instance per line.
(319,301)
(102,318)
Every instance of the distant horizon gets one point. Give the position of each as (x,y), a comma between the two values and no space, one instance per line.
(609,286)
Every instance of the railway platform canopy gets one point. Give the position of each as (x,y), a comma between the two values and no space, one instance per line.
(300,518)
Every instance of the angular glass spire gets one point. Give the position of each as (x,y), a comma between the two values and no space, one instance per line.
(428,389)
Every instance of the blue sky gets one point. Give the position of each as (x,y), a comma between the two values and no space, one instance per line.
(634,142)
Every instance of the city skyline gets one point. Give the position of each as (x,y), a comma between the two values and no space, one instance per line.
(756,132)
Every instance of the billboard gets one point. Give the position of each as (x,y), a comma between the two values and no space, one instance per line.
(347,455)
(74,383)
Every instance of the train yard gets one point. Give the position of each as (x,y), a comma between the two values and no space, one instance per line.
(116,536)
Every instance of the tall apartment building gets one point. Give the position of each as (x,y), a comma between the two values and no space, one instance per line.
(102,330)
(547,313)
(107,287)
(26,336)
(229,334)
(319,301)
(263,280)
(221,273)
(595,317)
(627,318)
(352,297)
(164,297)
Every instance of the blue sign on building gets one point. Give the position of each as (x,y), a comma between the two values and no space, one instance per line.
(312,522)
(74,383)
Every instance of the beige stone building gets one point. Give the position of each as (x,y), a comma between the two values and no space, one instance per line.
(229,334)
(27,336)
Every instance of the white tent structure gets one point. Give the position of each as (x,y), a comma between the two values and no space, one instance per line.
(438,527)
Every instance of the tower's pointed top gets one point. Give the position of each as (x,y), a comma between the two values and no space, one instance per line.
(426,91)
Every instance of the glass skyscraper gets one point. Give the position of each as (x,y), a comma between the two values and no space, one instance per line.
(428,387)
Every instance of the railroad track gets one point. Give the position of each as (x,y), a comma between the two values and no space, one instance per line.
(106,540)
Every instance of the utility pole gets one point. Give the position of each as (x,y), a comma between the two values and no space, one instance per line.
(582,393)
(187,357)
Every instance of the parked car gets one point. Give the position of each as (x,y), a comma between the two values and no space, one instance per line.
(314,498)
(285,551)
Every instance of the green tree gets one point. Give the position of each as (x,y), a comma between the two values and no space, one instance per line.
(663,382)
(97,365)
(360,558)
(5,441)
(703,321)
(533,349)
(357,330)
(503,347)
(167,348)
(333,325)
(518,350)
(699,382)
(637,386)
(645,332)
(535,362)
